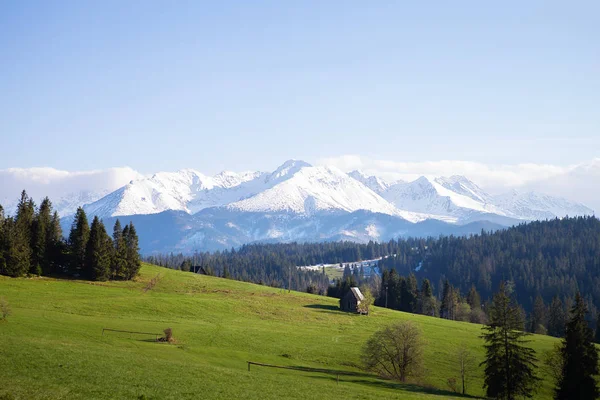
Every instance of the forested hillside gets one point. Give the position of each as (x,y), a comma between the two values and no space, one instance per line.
(551,259)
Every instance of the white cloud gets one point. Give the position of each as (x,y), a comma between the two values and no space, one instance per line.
(578,182)
(54,183)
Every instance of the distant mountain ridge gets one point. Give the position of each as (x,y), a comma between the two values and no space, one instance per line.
(301,202)
(299,188)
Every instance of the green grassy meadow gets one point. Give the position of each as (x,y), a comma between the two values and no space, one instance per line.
(52,346)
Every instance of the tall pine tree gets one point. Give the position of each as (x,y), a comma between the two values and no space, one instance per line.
(450,300)
(78,238)
(598,329)
(580,358)
(119,261)
(556,318)
(41,225)
(55,245)
(427,301)
(537,318)
(98,252)
(473,298)
(3,245)
(18,262)
(509,365)
(133,251)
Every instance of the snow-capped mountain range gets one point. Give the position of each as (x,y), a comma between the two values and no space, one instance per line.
(299,188)
(299,201)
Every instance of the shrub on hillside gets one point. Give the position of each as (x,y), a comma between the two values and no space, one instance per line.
(168,336)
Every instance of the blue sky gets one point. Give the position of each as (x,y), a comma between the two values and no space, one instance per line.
(247,85)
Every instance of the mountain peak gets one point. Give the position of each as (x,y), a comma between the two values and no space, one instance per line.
(288,168)
(374,183)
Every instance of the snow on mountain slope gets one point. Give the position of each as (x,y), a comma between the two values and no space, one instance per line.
(186,190)
(428,196)
(534,206)
(299,188)
(463,186)
(374,183)
(312,189)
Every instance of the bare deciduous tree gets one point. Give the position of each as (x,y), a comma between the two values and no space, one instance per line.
(395,352)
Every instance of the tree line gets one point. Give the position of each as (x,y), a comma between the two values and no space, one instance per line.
(32,243)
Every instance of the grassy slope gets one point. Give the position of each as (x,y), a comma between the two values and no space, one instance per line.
(51,347)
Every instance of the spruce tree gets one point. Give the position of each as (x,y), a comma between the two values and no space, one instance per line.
(55,246)
(119,261)
(19,238)
(473,298)
(78,238)
(133,252)
(445,305)
(427,302)
(598,329)
(3,247)
(41,225)
(580,358)
(537,319)
(98,252)
(408,294)
(450,300)
(556,318)
(509,365)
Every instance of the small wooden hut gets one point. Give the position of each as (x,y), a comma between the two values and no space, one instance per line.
(351,300)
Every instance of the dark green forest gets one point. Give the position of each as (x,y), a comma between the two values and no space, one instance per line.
(32,243)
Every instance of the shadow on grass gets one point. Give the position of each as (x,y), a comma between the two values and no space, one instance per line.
(331,371)
(323,307)
(407,387)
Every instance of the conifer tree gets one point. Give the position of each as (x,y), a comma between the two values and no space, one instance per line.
(450,300)
(19,238)
(133,252)
(41,225)
(473,298)
(556,318)
(55,246)
(598,329)
(408,294)
(427,301)
(98,252)
(580,358)
(78,238)
(2,241)
(537,320)
(119,261)
(444,306)
(509,365)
